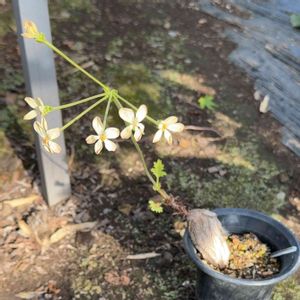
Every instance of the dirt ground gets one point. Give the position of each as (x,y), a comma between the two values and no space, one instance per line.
(165,54)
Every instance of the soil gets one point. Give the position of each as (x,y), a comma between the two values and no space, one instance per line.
(249,258)
(165,54)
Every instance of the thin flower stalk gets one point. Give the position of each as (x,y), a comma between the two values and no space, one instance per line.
(83,113)
(74,64)
(107,110)
(77,102)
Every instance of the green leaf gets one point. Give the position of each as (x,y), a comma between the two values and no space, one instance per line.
(207,102)
(155,206)
(158,169)
(295,20)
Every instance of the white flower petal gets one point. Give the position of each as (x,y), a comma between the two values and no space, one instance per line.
(97,125)
(137,134)
(168,136)
(157,136)
(112,132)
(110,146)
(264,105)
(98,146)
(91,139)
(171,120)
(177,127)
(53,133)
(31,115)
(31,102)
(39,129)
(126,114)
(39,102)
(126,132)
(141,127)
(54,147)
(141,113)
(46,147)
(44,124)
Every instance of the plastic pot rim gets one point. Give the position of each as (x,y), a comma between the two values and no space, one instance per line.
(192,253)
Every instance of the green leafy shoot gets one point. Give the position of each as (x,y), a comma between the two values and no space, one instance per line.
(295,20)
(158,171)
(207,102)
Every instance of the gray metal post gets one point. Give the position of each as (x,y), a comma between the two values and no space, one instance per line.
(40,79)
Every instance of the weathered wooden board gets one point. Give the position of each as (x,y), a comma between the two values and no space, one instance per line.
(40,79)
(269,50)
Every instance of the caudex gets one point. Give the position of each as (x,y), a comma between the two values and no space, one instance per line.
(205,229)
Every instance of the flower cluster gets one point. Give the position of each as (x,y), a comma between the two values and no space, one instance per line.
(134,128)
(40,126)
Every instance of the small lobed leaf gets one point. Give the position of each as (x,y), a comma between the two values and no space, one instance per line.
(158,169)
(155,207)
(207,102)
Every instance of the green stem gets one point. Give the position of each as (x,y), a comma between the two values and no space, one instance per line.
(137,147)
(77,102)
(106,111)
(83,113)
(135,108)
(74,64)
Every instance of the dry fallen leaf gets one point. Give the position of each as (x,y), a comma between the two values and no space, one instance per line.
(29,295)
(264,105)
(26,231)
(21,201)
(125,208)
(180,227)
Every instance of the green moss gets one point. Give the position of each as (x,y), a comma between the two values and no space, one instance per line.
(7,22)
(139,84)
(11,80)
(251,184)
(287,290)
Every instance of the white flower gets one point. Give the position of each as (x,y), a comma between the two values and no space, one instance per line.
(47,135)
(30,30)
(103,136)
(134,121)
(37,105)
(166,127)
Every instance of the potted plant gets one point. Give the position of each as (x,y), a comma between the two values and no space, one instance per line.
(206,232)
(212,284)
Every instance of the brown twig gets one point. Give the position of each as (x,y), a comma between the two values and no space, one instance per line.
(198,128)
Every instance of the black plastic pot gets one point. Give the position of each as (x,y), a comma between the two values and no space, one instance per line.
(213,285)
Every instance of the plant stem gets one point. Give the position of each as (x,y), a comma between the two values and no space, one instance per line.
(106,111)
(74,64)
(77,102)
(137,147)
(135,108)
(105,87)
(83,113)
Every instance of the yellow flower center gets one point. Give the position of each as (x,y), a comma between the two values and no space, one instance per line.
(135,123)
(103,137)
(46,140)
(164,126)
